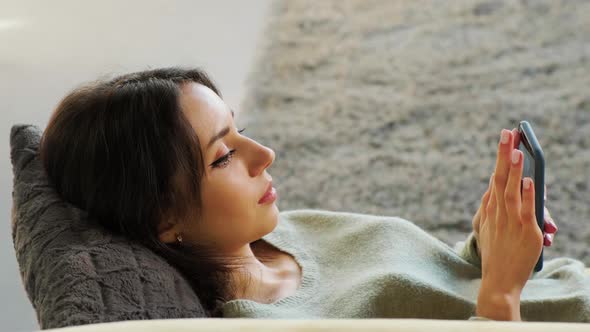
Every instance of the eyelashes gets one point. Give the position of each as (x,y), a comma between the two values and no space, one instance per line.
(226,159)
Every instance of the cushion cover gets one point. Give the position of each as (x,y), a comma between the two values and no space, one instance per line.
(75,271)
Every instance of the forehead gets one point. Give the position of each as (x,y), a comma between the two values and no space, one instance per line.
(206,112)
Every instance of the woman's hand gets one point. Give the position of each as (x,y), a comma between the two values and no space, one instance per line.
(510,240)
(550,228)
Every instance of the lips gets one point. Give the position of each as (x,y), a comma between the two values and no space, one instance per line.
(266,193)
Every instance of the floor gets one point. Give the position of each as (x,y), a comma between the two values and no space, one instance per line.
(50,47)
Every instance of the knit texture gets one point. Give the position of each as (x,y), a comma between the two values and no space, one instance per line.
(369,266)
(74,271)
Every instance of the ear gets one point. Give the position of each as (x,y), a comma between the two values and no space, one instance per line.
(168,231)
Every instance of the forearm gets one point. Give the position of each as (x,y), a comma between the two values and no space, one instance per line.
(498,306)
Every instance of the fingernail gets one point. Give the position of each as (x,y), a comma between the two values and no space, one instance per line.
(547,240)
(505,136)
(527,183)
(515,156)
(491,178)
(551,227)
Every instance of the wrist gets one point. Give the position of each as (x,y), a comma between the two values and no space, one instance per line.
(498,306)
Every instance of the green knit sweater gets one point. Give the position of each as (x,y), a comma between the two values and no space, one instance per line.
(368,266)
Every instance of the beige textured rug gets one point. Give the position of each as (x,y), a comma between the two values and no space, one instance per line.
(396,107)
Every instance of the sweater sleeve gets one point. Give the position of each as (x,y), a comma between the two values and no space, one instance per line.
(468,250)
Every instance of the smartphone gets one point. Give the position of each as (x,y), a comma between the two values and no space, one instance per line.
(534,167)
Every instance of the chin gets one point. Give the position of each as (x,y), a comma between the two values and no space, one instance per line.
(273,219)
(276,208)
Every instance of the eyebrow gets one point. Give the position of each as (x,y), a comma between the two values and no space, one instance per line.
(220,135)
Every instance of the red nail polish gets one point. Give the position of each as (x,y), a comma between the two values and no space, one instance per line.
(551,227)
(546,241)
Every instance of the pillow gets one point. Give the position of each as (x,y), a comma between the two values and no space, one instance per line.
(75,271)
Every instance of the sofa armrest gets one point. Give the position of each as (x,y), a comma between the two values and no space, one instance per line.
(324,325)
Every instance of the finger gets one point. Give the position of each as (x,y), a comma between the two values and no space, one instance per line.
(486,195)
(484,202)
(547,240)
(545,193)
(550,226)
(516,136)
(527,211)
(502,169)
(492,206)
(512,196)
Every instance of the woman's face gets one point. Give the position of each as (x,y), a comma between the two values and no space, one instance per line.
(231,188)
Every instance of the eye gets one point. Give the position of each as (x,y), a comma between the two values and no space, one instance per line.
(224,161)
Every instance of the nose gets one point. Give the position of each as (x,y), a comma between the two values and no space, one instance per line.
(263,158)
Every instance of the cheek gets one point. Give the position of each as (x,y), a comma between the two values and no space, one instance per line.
(229,194)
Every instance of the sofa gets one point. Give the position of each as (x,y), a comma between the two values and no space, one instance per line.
(324,325)
(81,277)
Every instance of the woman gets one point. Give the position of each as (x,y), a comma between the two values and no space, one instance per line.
(155,155)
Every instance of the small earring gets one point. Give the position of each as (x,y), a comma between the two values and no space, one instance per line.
(179,238)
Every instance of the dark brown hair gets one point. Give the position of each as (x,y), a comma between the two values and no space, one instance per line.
(122,150)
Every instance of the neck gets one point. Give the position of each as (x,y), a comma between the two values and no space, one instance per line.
(262,277)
